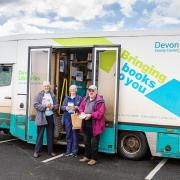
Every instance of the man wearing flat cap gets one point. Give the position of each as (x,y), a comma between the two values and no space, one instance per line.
(92,109)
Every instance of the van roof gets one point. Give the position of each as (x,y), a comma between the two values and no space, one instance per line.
(160,32)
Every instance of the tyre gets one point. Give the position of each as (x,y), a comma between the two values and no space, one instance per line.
(132,145)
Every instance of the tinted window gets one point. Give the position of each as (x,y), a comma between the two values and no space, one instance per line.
(5,75)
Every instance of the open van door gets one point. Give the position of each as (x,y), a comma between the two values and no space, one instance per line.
(38,71)
(106,77)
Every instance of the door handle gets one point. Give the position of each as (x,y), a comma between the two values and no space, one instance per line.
(7,97)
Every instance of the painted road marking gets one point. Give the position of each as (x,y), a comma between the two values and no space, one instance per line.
(8,140)
(55,157)
(156,169)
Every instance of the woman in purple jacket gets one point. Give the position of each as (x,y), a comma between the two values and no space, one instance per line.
(92,109)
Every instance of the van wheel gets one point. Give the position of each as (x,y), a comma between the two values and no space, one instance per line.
(132,145)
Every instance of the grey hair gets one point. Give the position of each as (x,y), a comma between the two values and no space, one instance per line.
(46,83)
(73,86)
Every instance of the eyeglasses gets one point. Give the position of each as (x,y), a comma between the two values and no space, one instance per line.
(90,90)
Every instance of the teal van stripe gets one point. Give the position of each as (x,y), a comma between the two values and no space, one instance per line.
(170,140)
(18,126)
(5,120)
(167,96)
(148,128)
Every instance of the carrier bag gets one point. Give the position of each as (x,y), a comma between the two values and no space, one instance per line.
(76,121)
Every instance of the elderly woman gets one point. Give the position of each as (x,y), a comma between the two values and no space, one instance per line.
(69,106)
(45,104)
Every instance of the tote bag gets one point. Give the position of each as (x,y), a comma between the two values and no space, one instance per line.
(76,121)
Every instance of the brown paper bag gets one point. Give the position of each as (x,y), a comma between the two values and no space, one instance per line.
(76,121)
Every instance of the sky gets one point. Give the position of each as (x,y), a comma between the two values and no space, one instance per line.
(61,16)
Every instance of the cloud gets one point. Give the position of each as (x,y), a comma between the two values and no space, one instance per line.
(80,10)
(36,25)
(114,27)
(127,7)
(5,2)
(167,7)
(165,13)
(23,16)
(159,21)
(14,26)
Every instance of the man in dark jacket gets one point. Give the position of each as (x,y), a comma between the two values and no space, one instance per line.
(45,104)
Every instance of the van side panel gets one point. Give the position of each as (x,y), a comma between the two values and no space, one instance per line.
(8,58)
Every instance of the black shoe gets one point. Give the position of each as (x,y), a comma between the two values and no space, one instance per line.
(74,155)
(68,154)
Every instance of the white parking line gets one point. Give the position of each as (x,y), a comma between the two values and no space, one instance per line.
(8,140)
(55,157)
(156,169)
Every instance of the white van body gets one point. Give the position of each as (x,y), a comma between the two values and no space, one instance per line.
(148,90)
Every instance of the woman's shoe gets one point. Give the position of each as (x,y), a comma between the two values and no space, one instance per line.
(68,154)
(74,155)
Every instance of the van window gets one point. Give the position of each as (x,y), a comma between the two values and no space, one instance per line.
(5,75)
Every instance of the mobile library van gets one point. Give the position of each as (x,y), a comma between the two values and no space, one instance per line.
(138,74)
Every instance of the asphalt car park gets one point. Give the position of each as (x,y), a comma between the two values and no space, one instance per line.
(17,163)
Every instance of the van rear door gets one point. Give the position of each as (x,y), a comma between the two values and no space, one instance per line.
(106,77)
(38,71)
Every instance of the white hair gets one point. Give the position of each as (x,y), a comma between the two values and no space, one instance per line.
(73,87)
(46,83)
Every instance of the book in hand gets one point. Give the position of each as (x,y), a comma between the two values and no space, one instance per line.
(82,116)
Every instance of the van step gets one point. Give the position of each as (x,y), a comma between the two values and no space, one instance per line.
(61,142)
